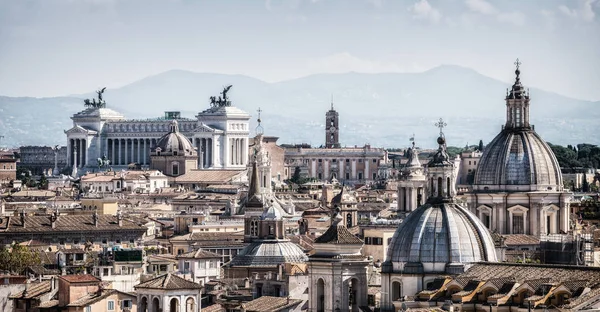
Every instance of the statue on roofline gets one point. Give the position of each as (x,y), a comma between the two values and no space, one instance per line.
(221,101)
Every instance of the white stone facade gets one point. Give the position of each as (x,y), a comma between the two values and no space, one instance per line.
(219,134)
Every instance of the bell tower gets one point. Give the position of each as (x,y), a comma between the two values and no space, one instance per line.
(332,132)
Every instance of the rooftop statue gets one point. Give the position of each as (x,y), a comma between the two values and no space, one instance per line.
(221,102)
(93,104)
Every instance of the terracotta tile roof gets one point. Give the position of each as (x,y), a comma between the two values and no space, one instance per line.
(521,239)
(33,290)
(214,308)
(48,304)
(71,223)
(208,176)
(268,303)
(199,254)
(338,234)
(83,278)
(95,297)
(531,273)
(168,281)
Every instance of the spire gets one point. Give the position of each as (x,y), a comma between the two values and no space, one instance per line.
(332,101)
(259,129)
(254,189)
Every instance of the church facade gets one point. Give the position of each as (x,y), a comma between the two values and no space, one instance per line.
(219,134)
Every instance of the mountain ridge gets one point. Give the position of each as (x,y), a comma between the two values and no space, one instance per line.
(378,108)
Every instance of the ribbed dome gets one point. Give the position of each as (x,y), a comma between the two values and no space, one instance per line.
(433,237)
(518,157)
(174,141)
(266,253)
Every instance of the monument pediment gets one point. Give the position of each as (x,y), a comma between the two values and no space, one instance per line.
(81,130)
(204,128)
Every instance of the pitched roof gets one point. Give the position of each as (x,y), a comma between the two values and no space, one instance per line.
(71,223)
(214,308)
(521,239)
(338,234)
(208,176)
(168,281)
(268,303)
(199,254)
(83,278)
(32,290)
(95,297)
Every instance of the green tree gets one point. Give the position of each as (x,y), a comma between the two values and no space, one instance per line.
(296,177)
(480,147)
(17,258)
(43,184)
(585,186)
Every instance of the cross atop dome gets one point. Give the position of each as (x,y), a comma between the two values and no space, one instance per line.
(440,124)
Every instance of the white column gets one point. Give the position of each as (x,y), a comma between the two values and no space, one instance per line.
(245,151)
(214,152)
(367,174)
(126,152)
(69,158)
(80,144)
(353,176)
(119,152)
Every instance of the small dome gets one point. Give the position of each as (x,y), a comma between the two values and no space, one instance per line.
(174,141)
(269,253)
(434,238)
(518,157)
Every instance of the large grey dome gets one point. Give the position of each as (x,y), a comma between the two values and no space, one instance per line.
(269,253)
(517,158)
(440,238)
(174,141)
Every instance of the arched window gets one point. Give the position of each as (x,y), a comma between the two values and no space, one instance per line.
(448,192)
(174,305)
(320,295)
(155,305)
(439,187)
(349,220)
(190,306)
(396,291)
(254,228)
(175,168)
(143,305)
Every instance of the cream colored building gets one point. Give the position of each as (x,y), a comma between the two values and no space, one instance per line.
(377,238)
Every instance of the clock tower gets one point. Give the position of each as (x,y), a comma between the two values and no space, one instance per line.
(332,132)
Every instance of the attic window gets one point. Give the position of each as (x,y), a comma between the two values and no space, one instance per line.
(174,153)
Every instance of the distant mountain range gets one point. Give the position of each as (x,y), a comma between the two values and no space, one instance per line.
(381,109)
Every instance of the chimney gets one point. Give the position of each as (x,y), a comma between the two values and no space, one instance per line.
(95,218)
(120,218)
(22,215)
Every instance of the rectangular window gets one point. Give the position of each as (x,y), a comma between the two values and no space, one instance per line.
(347,160)
(88,309)
(360,175)
(320,160)
(518,225)
(186,266)
(127,304)
(360,160)
(374,175)
(334,160)
(347,175)
(374,160)
(110,305)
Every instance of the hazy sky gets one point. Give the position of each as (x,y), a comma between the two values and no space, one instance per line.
(60,47)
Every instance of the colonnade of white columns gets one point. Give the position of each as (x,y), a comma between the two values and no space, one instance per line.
(238,151)
(77,148)
(130,150)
